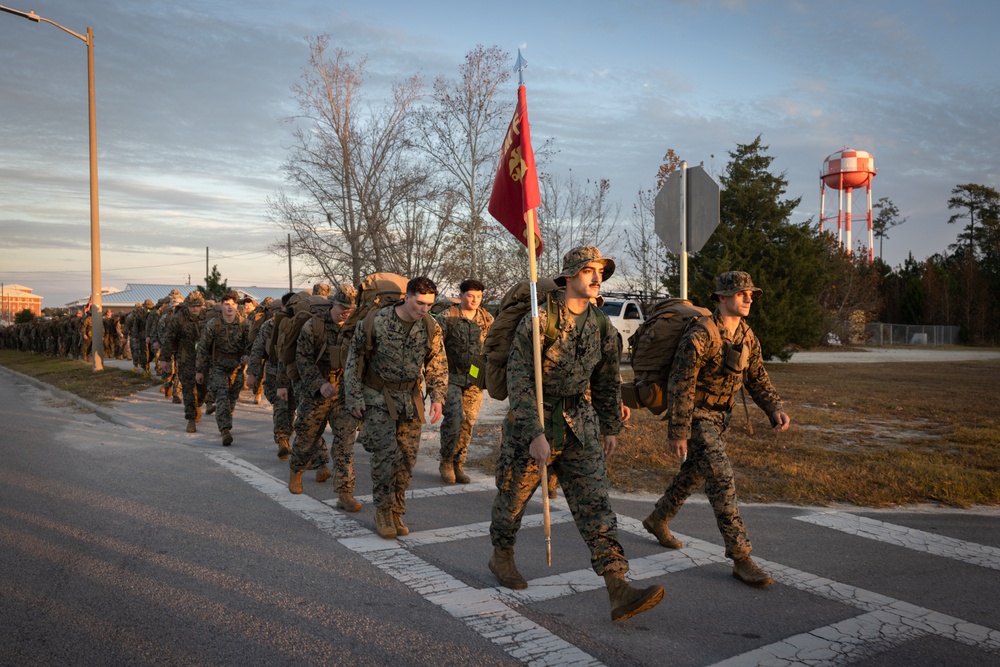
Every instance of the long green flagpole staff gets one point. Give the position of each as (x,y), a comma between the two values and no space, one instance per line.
(536,345)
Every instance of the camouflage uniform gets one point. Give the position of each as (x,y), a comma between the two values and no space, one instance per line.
(222,347)
(262,366)
(180,345)
(393,415)
(171,381)
(463,340)
(701,392)
(577,360)
(317,367)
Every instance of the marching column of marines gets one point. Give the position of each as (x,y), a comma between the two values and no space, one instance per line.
(370,384)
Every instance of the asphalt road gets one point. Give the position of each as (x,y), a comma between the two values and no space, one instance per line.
(127,541)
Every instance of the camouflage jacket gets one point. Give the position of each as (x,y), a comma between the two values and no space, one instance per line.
(183,334)
(463,340)
(258,352)
(699,377)
(401,353)
(222,343)
(576,361)
(318,366)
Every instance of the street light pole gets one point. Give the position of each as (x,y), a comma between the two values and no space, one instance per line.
(96,317)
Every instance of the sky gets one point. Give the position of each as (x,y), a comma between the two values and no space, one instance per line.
(193,99)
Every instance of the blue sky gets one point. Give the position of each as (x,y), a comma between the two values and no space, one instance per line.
(191,97)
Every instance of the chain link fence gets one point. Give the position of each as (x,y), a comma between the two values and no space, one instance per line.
(883,335)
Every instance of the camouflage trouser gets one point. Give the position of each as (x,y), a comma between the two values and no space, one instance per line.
(295,395)
(192,392)
(707,463)
(170,378)
(460,412)
(314,413)
(225,381)
(140,354)
(282,415)
(393,446)
(584,479)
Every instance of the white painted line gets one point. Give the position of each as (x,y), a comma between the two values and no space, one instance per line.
(886,623)
(481,610)
(918,540)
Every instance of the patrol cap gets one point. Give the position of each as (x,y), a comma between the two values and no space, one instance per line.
(734,282)
(346,295)
(579,257)
(322,289)
(148,303)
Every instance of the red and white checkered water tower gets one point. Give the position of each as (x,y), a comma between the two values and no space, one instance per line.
(844,171)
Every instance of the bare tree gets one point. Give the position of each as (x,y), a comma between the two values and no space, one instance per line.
(646,259)
(462,133)
(574,213)
(354,168)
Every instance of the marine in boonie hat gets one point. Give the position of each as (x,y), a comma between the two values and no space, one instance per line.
(734,282)
(579,257)
(346,295)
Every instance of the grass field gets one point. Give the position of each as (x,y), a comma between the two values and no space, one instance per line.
(874,435)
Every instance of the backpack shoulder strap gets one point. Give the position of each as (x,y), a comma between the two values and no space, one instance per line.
(319,335)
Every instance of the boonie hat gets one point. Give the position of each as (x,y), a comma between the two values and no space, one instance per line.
(579,257)
(734,282)
(346,295)
(194,298)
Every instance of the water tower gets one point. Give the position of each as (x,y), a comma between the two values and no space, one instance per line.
(844,171)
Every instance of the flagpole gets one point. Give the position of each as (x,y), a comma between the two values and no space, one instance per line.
(536,346)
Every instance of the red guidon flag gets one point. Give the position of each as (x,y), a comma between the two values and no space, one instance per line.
(515,188)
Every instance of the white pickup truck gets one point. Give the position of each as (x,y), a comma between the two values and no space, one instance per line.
(626,315)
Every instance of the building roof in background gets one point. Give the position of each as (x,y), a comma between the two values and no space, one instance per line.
(138,292)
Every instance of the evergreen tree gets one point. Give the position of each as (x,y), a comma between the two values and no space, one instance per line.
(754,235)
(215,287)
(24,316)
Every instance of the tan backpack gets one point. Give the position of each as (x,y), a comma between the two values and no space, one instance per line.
(654,345)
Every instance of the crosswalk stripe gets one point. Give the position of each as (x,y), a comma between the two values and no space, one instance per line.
(910,538)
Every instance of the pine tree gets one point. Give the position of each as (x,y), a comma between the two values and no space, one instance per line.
(754,235)
(215,287)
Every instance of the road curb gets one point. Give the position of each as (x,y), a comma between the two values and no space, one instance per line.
(102,412)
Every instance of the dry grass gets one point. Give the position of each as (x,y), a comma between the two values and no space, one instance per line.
(78,377)
(870,434)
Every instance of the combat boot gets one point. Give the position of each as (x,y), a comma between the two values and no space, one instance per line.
(283,449)
(323,474)
(460,476)
(295,481)
(210,408)
(397,521)
(750,574)
(347,502)
(503,568)
(227,437)
(384,525)
(168,390)
(661,531)
(177,398)
(190,427)
(626,601)
(447,470)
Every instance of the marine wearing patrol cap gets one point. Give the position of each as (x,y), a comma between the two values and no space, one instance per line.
(733,282)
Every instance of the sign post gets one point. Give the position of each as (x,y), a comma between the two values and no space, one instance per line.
(686,212)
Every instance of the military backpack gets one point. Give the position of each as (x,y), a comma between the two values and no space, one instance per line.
(489,370)
(654,346)
(304,308)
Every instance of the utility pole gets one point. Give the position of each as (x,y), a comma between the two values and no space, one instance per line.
(290,263)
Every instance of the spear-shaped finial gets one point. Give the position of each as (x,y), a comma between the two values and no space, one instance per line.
(519,67)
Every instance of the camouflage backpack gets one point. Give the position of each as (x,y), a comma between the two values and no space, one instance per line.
(654,345)
(375,292)
(489,370)
(304,307)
